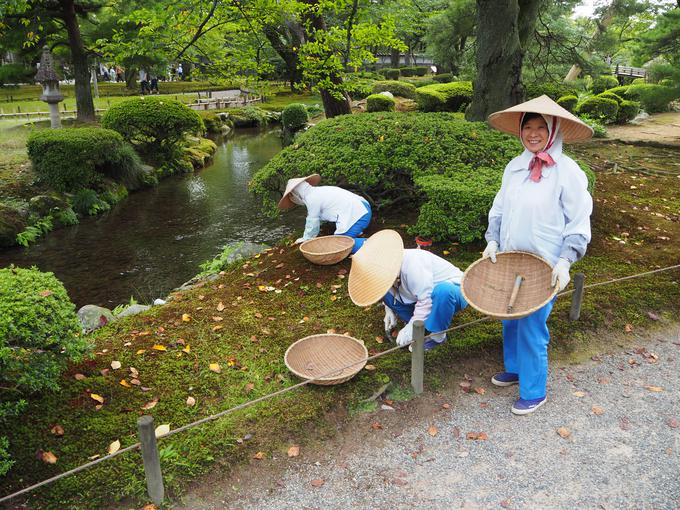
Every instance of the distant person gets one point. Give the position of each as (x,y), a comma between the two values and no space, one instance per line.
(153,85)
(173,73)
(112,73)
(119,74)
(180,72)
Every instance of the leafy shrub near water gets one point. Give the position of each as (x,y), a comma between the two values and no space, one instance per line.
(75,158)
(39,334)
(398,88)
(294,116)
(445,97)
(600,108)
(154,125)
(388,157)
(379,103)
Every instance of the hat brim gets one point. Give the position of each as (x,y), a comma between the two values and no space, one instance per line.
(572,128)
(286,202)
(375,267)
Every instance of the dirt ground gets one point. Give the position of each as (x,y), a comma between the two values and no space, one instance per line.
(661,128)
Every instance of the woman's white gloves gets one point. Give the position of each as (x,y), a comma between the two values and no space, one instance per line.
(405,336)
(560,273)
(390,321)
(490,251)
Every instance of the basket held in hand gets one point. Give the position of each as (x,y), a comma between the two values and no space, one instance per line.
(327,250)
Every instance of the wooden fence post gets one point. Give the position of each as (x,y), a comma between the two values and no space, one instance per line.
(418,356)
(152,462)
(577,297)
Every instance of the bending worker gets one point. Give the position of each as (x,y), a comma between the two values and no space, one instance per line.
(350,212)
(413,284)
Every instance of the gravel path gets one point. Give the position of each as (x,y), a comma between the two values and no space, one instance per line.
(619,414)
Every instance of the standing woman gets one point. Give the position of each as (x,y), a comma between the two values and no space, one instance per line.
(350,212)
(543,207)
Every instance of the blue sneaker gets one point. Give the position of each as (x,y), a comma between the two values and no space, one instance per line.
(428,345)
(505,379)
(522,406)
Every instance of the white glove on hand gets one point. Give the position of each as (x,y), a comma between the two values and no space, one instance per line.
(490,251)
(300,240)
(560,273)
(405,336)
(390,320)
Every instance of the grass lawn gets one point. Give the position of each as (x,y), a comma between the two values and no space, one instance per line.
(238,322)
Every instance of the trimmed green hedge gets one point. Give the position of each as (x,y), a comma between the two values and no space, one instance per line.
(551,89)
(76,158)
(413,71)
(568,102)
(627,111)
(653,98)
(600,108)
(603,82)
(390,73)
(294,116)
(611,95)
(398,88)
(443,78)
(155,125)
(445,97)
(379,103)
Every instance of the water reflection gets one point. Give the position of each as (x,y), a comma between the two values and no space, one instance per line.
(155,240)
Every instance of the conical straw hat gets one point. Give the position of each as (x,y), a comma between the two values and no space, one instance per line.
(286,202)
(375,267)
(572,128)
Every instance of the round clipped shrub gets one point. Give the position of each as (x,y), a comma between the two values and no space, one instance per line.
(627,111)
(620,90)
(413,71)
(568,102)
(443,78)
(554,90)
(390,73)
(638,81)
(294,116)
(611,95)
(603,82)
(72,159)
(397,88)
(653,98)
(379,103)
(153,124)
(445,97)
(599,108)
(358,88)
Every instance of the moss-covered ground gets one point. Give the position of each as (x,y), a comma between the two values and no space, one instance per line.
(246,318)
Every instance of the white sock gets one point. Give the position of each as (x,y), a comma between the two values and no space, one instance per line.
(438,337)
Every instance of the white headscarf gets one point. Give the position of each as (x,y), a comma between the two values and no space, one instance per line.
(297,196)
(552,150)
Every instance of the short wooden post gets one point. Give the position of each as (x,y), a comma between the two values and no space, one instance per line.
(418,357)
(152,461)
(577,297)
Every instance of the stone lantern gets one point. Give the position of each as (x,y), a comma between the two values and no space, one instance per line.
(47,77)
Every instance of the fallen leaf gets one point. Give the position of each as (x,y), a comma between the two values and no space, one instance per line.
(159,347)
(259,456)
(150,405)
(217,328)
(376,425)
(369,367)
(505,503)
(217,318)
(215,367)
(79,377)
(136,382)
(294,451)
(432,430)
(96,397)
(465,386)
(446,406)
(628,328)
(445,252)
(45,293)
(161,430)
(564,432)
(114,447)
(57,430)
(654,388)
(104,372)
(187,349)
(379,339)
(597,410)
(123,382)
(673,423)
(579,394)
(480,391)
(48,458)
(250,387)
(477,436)
(140,351)
(317,482)
(191,401)
(220,306)
(653,316)
(186,317)
(150,506)
(115,365)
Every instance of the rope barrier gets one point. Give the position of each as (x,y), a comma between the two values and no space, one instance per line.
(288,389)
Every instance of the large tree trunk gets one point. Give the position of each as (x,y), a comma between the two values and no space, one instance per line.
(503,29)
(286,45)
(81,71)
(395,57)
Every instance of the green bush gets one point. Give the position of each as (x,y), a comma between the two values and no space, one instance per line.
(16,73)
(653,98)
(611,95)
(620,90)
(39,334)
(449,97)
(36,229)
(603,82)
(382,155)
(294,116)
(443,78)
(397,88)
(568,102)
(390,73)
(247,117)
(551,89)
(413,71)
(87,203)
(638,81)
(75,158)
(13,220)
(379,103)
(599,131)
(627,111)
(156,125)
(600,108)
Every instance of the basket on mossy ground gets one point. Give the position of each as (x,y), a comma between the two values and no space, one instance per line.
(327,250)
(326,355)
(515,286)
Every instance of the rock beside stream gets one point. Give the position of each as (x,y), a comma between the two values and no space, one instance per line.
(93,317)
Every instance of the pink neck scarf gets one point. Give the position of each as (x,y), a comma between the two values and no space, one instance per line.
(541,158)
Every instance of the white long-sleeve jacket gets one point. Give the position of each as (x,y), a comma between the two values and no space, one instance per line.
(420,272)
(330,203)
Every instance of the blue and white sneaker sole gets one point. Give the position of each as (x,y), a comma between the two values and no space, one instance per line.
(502,384)
(528,411)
